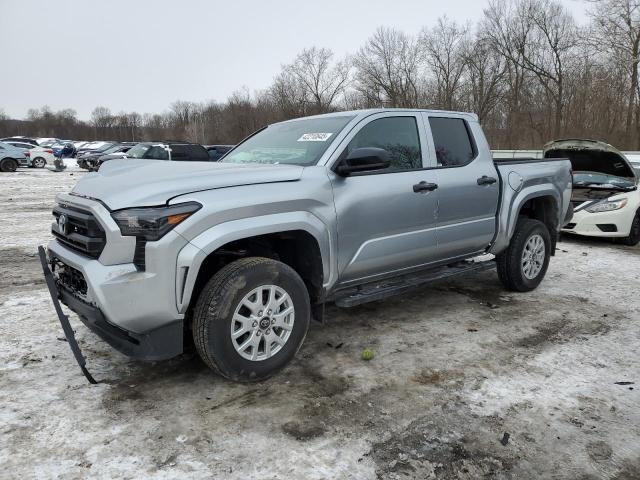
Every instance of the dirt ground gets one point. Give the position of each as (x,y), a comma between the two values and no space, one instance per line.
(467,381)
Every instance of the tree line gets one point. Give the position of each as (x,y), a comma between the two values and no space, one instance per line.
(527,69)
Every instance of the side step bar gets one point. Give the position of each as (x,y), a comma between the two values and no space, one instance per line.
(373,291)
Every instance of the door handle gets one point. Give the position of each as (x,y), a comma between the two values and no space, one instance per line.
(484,180)
(424,187)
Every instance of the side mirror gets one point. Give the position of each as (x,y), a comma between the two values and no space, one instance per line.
(364,160)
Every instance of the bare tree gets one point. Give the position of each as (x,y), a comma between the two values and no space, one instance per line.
(445,47)
(320,80)
(616,30)
(101,119)
(388,69)
(486,71)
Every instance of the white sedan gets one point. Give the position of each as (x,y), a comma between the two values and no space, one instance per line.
(605,197)
(40,156)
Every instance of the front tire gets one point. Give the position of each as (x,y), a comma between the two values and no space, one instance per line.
(523,265)
(251,318)
(634,235)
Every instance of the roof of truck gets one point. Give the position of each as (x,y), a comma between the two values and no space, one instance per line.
(372,111)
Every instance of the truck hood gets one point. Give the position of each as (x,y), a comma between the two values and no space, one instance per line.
(138,183)
(593,156)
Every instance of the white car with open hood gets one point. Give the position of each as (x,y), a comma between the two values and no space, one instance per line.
(605,197)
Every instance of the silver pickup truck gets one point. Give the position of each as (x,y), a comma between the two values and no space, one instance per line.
(347,207)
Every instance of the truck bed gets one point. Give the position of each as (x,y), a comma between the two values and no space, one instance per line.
(524,178)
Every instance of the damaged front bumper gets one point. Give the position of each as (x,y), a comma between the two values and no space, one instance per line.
(163,342)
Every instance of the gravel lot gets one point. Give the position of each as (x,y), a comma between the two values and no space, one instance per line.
(467,381)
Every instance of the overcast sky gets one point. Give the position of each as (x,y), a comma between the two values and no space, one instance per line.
(141,55)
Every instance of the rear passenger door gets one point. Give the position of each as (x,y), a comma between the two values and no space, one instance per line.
(468,187)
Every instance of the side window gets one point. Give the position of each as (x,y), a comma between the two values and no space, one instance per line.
(397,135)
(453,144)
(157,153)
(198,153)
(179,153)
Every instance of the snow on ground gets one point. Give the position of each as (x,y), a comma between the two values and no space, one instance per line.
(457,365)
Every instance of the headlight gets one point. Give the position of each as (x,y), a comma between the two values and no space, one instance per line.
(153,223)
(607,206)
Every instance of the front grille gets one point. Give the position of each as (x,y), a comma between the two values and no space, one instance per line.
(78,230)
(72,279)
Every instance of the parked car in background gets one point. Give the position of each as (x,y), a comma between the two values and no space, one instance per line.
(12,157)
(94,146)
(64,149)
(23,145)
(175,151)
(26,150)
(605,198)
(47,142)
(92,160)
(41,156)
(216,152)
(89,152)
(28,140)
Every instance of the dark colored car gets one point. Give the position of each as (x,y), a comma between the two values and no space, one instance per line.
(175,151)
(114,153)
(216,152)
(83,155)
(20,139)
(90,159)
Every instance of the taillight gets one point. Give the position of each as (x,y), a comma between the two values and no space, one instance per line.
(27,154)
(48,150)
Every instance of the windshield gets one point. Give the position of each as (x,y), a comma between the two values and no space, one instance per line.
(111,149)
(602,180)
(138,151)
(298,142)
(103,148)
(149,152)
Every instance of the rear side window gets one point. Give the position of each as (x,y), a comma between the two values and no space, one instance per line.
(198,153)
(156,152)
(179,153)
(397,135)
(453,143)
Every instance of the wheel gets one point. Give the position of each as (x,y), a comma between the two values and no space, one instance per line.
(523,265)
(251,318)
(38,162)
(634,234)
(8,165)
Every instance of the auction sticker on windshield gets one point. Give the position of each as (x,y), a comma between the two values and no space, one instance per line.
(315,137)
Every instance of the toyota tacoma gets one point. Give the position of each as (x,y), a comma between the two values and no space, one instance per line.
(347,207)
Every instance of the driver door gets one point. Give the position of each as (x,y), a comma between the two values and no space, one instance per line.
(385,218)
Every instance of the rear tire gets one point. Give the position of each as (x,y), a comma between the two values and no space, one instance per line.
(8,165)
(38,162)
(634,235)
(238,316)
(523,265)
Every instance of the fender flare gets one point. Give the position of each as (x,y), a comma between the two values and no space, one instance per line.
(507,225)
(199,248)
